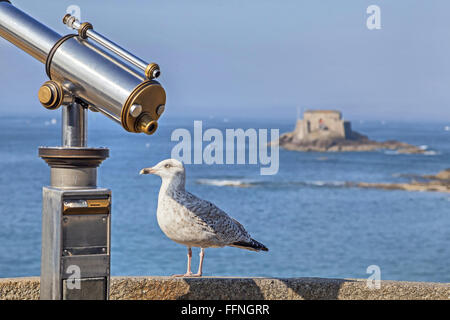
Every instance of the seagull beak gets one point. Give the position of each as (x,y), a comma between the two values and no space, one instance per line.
(147,171)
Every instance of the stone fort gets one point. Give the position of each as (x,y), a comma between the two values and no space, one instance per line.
(320,124)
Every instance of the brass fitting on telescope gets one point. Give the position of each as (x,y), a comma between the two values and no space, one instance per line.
(72,22)
(143,108)
(51,95)
(83,29)
(146,124)
(152,71)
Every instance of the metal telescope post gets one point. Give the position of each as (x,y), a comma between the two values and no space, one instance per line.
(87,72)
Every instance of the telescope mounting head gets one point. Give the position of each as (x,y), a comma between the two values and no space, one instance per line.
(140,108)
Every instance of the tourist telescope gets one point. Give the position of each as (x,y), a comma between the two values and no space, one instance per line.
(86,71)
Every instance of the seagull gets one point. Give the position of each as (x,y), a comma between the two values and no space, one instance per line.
(194,222)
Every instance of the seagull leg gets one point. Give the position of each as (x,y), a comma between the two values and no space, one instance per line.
(200,266)
(188,272)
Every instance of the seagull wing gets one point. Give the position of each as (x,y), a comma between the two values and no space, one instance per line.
(205,213)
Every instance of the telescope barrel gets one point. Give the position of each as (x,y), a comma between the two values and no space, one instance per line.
(25,32)
(85,72)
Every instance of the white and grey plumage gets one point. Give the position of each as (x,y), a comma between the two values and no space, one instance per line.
(191,221)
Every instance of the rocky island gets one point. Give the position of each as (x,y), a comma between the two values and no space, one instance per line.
(439,182)
(326,131)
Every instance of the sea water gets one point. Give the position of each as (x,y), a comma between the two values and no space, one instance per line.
(312,222)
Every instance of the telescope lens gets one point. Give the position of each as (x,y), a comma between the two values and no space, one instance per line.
(147,125)
(151,127)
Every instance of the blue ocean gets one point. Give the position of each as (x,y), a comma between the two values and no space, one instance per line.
(312,222)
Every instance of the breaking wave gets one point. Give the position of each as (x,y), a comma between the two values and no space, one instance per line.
(424,148)
(225,183)
(391,152)
(327,183)
(242,183)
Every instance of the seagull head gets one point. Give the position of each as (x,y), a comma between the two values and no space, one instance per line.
(166,169)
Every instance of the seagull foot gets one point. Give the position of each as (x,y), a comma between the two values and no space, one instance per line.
(187,274)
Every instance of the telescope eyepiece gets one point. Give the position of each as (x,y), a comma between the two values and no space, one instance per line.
(146,124)
(151,127)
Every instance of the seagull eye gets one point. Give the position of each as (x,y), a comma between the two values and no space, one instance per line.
(167,166)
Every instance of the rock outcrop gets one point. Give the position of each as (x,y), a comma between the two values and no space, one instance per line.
(439,183)
(326,131)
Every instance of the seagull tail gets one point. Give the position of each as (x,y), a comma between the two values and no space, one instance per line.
(252,245)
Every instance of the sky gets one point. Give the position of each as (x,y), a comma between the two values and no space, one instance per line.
(259,58)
